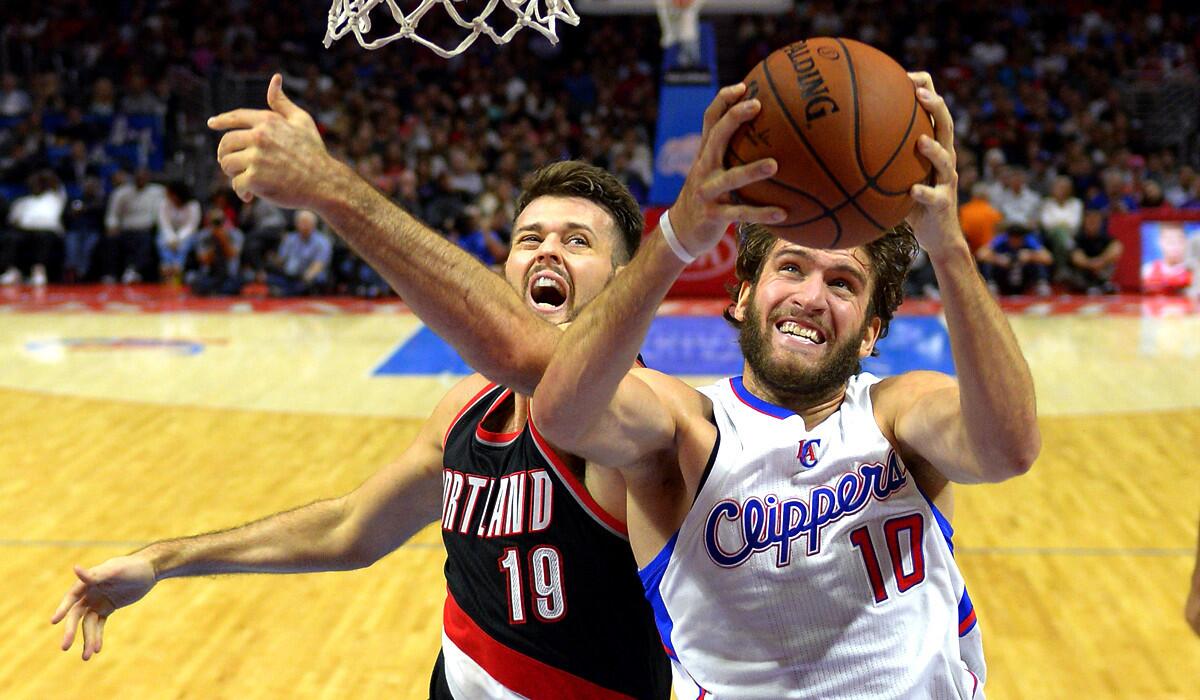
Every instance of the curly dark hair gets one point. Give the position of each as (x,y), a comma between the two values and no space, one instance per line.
(890,255)
(573,178)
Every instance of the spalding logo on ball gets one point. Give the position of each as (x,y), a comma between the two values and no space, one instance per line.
(842,120)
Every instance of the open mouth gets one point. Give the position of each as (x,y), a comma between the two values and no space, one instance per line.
(801,331)
(548,291)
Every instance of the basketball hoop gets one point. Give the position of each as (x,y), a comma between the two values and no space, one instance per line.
(354,16)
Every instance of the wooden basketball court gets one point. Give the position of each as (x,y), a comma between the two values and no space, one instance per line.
(120,425)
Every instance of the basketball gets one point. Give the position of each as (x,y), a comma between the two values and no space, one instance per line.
(842,120)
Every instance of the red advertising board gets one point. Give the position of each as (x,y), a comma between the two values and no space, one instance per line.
(708,275)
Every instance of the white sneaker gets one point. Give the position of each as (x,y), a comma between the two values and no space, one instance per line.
(11,277)
(1042,289)
(131,276)
(39,277)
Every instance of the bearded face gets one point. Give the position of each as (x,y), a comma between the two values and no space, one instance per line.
(790,374)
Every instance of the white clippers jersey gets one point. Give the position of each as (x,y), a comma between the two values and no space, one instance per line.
(811,566)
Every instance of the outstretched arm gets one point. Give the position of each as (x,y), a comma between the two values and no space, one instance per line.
(331,535)
(984,426)
(589,403)
(278,154)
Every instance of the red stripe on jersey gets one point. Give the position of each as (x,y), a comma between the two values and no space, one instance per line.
(966,623)
(578,490)
(487,435)
(519,673)
(474,400)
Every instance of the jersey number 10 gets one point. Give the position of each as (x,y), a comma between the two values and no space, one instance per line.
(546,582)
(914,526)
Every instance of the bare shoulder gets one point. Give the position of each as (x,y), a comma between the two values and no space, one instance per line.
(681,398)
(893,398)
(907,388)
(454,401)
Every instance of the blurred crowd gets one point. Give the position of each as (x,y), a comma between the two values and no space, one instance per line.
(1048,137)
(98,103)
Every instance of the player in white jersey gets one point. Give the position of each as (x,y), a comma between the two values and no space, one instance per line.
(788,523)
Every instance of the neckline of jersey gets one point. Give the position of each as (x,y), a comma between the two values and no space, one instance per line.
(761,405)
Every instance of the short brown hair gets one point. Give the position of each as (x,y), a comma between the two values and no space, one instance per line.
(891,255)
(573,178)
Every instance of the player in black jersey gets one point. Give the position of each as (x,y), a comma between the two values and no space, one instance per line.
(543,597)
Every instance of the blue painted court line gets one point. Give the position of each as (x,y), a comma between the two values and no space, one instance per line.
(701,345)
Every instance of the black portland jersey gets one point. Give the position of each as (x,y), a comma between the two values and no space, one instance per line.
(543,595)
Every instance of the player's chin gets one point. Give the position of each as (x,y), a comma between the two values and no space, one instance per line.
(552,313)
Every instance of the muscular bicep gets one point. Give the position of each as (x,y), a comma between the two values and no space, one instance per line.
(923,414)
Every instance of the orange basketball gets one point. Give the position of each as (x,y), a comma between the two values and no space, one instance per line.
(842,120)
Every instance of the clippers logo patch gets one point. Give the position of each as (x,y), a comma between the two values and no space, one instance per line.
(807,454)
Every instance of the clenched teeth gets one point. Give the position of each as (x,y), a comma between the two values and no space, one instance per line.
(793,328)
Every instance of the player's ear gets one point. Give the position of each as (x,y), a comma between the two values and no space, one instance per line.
(745,292)
(874,327)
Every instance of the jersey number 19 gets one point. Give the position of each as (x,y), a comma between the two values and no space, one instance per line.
(545,583)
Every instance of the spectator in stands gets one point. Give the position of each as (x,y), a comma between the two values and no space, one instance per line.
(104,100)
(301,265)
(979,218)
(85,223)
(218,248)
(139,98)
(1095,255)
(1152,196)
(76,127)
(264,224)
(1172,273)
(1178,191)
(359,278)
(13,100)
(1060,219)
(470,234)
(178,221)
(1113,196)
(1016,261)
(36,221)
(1017,203)
(131,223)
(77,166)
(20,151)
(406,194)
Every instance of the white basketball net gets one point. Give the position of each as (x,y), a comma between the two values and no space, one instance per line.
(354,16)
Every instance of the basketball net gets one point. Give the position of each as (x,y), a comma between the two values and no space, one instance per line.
(354,16)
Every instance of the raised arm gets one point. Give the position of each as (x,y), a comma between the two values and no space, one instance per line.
(588,402)
(278,154)
(330,535)
(984,426)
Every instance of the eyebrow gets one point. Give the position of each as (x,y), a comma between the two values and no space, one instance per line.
(797,251)
(570,226)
